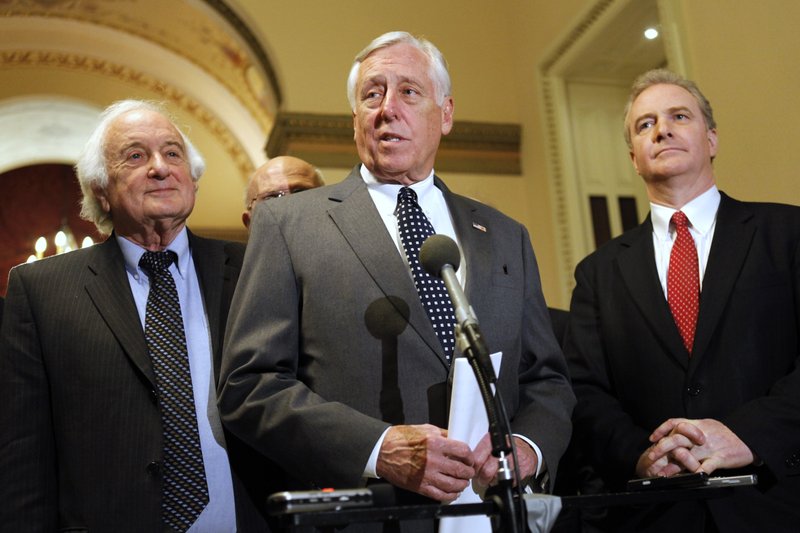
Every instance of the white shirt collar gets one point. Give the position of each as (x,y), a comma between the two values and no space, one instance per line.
(701,212)
(389,190)
(132,253)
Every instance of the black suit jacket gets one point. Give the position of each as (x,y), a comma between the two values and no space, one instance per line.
(81,432)
(631,372)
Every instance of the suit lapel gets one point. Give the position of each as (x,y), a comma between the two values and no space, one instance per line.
(110,292)
(362,227)
(733,235)
(473,232)
(636,263)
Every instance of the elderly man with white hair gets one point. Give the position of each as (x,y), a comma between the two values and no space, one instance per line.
(108,354)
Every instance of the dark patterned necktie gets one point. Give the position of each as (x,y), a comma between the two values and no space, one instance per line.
(414,228)
(683,281)
(184,491)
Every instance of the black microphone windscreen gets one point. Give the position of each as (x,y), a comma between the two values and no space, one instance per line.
(438,251)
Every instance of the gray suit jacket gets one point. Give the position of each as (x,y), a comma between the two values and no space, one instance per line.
(81,435)
(328,343)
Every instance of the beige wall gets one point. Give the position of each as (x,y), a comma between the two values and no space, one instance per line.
(747,62)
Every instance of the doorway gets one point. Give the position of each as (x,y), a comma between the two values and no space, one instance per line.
(585,82)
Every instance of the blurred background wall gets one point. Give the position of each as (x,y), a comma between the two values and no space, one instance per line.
(539,88)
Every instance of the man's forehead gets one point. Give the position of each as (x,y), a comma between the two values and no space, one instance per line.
(400,59)
(661,98)
(137,119)
(143,126)
(665,95)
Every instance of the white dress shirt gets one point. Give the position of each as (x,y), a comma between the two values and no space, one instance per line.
(702,215)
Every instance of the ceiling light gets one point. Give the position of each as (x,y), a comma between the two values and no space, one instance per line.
(650,33)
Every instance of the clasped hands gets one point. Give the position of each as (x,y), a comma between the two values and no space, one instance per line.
(684,445)
(422,459)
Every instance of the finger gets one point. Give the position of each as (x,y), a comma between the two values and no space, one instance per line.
(670,470)
(691,431)
(664,429)
(667,445)
(457,470)
(709,465)
(656,468)
(454,450)
(488,471)
(436,493)
(685,458)
(482,451)
(448,487)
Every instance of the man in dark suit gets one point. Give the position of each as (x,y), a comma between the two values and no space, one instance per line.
(713,385)
(333,367)
(83,399)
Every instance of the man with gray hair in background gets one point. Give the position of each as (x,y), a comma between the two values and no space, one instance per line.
(341,376)
(108,354)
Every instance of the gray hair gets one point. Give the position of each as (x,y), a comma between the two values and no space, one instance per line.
(438,65)
(91,166)
(661,76)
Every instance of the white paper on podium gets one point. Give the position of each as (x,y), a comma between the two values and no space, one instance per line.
(468,423)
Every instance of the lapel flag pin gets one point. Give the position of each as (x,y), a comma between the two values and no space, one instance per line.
(479,227)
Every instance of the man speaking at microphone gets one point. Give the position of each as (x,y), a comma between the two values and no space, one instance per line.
(307,360)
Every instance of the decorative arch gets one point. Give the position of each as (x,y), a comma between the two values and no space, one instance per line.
(43,129)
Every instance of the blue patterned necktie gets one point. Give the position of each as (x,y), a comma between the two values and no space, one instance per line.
(414,228)
(184,491)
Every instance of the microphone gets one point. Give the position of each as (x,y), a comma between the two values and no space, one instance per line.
(440,257)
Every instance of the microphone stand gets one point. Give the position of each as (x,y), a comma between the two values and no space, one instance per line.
(470,342)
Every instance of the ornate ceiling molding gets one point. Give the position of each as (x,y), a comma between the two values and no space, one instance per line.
(211,36)
(255,46)
(327,141)
(123,73)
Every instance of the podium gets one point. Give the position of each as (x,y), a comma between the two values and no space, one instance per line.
(542,510)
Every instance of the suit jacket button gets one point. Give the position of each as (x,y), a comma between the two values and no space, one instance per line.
(693,390)
(154,396)
(154,468)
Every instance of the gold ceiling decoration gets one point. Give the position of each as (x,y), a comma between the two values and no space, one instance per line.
(215,39)
(64,60)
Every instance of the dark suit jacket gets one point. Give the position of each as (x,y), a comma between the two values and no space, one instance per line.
(328,342)
(81,432)
(631,372)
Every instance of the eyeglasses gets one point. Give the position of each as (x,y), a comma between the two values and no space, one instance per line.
(273,194)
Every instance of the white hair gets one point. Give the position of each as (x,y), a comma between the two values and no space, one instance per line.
(91,166)
(437,63)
